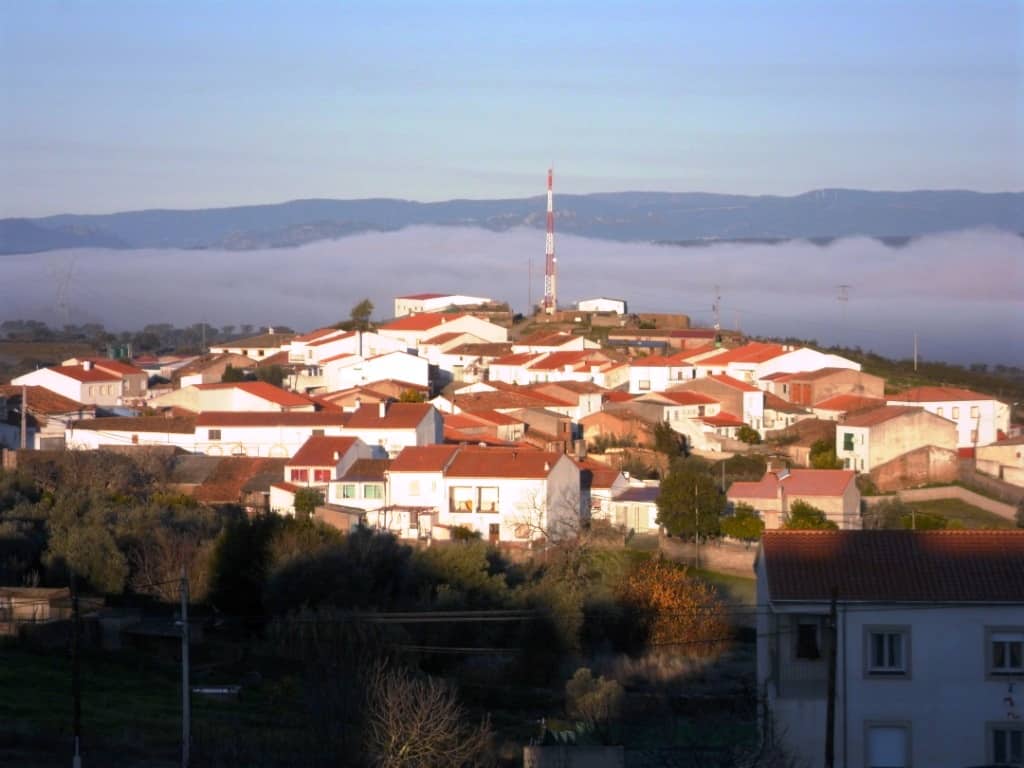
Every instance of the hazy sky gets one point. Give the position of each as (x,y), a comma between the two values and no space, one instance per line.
(110,106)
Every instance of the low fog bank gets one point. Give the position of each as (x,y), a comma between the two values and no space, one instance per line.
(962,293)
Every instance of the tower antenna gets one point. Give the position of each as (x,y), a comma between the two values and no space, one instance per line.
(550,262)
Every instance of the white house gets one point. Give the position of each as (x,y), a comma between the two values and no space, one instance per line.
(255,347)
(979,418)
(602,304)
(88,434)
(90,381)
(390,427)
(320,460)
(926,640)
(656,373)
(345,371)
(755,360)
(636,509)
(418,303)
(553,341)
(234,396)
(870,438)
(412,330)
(267,433)
(47,416)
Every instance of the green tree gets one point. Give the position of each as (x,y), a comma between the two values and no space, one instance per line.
(272,374)
(359,317)
(667,440)
(689,503)
(306,502)
(823,455)
(743,524)
(232,374)
(595,701)
(805,517)
(748,435)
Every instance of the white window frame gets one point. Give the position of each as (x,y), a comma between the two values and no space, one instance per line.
(885,671)
(1009,635)
(991,731)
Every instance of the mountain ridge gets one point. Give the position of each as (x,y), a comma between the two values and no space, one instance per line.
(667,217)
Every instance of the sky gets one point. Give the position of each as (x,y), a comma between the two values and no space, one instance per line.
(108,106)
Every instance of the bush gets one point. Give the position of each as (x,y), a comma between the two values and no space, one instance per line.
(744,524)
(465,533)
(748,435)
(805,517)
(595,701)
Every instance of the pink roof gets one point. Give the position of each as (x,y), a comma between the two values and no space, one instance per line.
(78,373)
(723,419)
(879,415)
(797,482)
(423,458)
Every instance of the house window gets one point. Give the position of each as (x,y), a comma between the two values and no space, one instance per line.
(808,638)
(213,434)
(322,475)
(317,433)
(940,411)
(300,475)
(1006,743)
(488,500)
(462,499)
(643,384)
(1006,652)
(888,745)
(848,441)
(887,651)
(414,487)
(373,491)
(956,412)
(974,411)
(348,491)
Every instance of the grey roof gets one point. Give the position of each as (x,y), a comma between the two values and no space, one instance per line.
(192,469)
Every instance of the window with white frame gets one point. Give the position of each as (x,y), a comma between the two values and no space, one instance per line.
(887,651)
(1006,743)
(373,491)
(488,499)
(887,745)
(348,490)
(1006,652)
(974,411)
(808,638)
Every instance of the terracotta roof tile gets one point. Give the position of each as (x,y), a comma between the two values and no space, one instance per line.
(423,458)
(228,480)
(501,462)
(44,401)
(421,322)
(184,425)
(875,416)
(321,451)
(724,378)
(313,419)
(78,373)
(754,352)
(848,403)
(262,390)
(424,296)
(722,419)
(895,566)
(396,416)
(937,395)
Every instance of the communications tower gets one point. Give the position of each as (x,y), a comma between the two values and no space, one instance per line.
(550,262)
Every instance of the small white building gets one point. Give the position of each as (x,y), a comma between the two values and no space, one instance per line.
(346,371)
(91,381)
(871,438)
(656,373)
(121,431)
(602,304)
(927,637)
(255,347)
(412,330)
(417,303)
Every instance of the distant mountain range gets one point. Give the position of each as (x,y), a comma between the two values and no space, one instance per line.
(685,218)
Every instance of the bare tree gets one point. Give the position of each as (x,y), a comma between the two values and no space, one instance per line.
(417,722)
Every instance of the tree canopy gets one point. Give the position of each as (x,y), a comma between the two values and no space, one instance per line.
(805,517)
(690,502)
(744,524)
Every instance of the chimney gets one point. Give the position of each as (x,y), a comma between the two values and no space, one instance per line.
(337,456)
(547,466)
(382,408)
(87,365)
(270,330)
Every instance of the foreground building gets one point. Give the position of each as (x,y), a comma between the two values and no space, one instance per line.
(927,637)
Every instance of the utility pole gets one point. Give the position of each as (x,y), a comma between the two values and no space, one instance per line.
(696,513)
(76,682)
(915,351)
(24,422)
(186,713)
(830,713)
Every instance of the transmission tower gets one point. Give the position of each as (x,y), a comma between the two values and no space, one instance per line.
(550,262)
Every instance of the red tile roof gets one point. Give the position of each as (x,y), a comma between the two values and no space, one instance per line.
(314,335)
(895,566)
(396,416)
(687,397)
(754,352)
(321,450)
(601,475)
(44,401)
(545,339)
(116,366)
(227,481)
(618,396)
(879,415)
(184,425)
(502,462)
(723,419)
(937,395)
(517,358)
(78,373)
(577,359)
(312,419)
(424,296)
(335,358)
(423,458)
(848,403)
(444,338)
(366,471)
(421,322)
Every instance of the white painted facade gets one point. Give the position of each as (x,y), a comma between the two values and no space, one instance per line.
(801,360)
(978,422)
(273,441)
(658,377)
(106,392)
(91,439)
(415,304)
(941,714)
(412,335)
(602,304)
(354,371)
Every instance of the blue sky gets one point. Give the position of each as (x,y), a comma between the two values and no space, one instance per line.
(110,106)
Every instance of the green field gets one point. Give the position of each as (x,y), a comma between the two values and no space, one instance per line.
(967,515)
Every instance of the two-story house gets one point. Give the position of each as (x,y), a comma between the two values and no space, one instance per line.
(833,491)
(980,419)
(923,632)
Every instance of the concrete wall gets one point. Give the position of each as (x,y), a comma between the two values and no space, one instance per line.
(924,465)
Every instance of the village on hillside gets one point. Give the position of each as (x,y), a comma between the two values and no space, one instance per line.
(772,462)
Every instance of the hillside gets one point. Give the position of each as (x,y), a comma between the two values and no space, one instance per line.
(625,216)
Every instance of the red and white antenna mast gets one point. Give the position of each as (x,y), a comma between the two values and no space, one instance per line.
(550,262)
